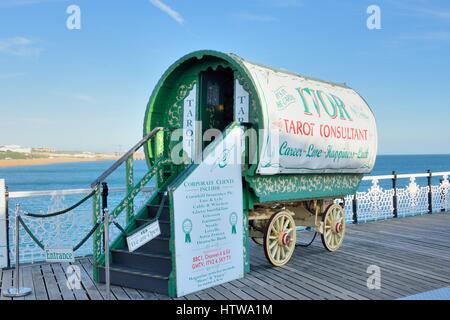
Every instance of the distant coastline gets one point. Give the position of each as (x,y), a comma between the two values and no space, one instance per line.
(47,161)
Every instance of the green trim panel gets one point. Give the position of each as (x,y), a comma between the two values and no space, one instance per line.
(303,187)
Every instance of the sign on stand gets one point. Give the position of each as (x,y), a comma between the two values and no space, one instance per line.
(208,219)
(3,230)
(143,236)
(59,255)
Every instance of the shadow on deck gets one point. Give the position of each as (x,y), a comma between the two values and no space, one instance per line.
(412,253)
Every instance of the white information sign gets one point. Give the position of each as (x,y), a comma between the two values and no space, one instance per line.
(312,126)
(3,231)
(189,123)
(59,255)
(241,103)
(143,236)
(208,219)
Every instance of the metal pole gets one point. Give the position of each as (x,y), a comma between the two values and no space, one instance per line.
(355,210)
(107,271)
(17,291)
(105,192)
(8,242)
(430,192)
(442,195)
(394,198)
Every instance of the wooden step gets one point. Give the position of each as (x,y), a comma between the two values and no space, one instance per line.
(136,279)
(160,264)
(152,211)
(159,245)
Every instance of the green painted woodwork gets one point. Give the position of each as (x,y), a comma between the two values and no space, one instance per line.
(246,245)
(131,195)
(303,187)
(175,112)
(138,188)
(97,236)
(154,199)
(129,172)
(165,107)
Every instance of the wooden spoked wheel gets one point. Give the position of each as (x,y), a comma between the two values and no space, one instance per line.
(279,238)
(333,227)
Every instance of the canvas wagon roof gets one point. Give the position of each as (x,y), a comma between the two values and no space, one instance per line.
(285,71)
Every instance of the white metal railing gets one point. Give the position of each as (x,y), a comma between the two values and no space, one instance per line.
(414,198)
(404,176)
(59,231)
(382,199)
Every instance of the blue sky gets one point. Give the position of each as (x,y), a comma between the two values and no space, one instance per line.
(87,89)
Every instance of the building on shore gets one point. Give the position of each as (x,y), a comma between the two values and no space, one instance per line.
(43,150)
(15,148)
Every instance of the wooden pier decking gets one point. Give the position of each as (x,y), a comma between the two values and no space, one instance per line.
(413,254)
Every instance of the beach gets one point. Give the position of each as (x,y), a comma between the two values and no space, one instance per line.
(46,161)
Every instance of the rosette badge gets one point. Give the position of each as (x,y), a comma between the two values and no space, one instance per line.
(233,222)
(187,229)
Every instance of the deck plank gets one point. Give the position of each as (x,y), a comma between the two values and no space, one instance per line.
(7,282)
(86,265)
(89,286)
(50,283)
(27,277)
(39,286)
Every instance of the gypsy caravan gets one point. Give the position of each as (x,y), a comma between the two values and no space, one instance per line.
(244,151)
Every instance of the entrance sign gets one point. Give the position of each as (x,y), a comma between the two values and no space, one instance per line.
(143,236)
(208,219)
(59,255)
(241,103)
(189,123)
(322,127)
(3,230)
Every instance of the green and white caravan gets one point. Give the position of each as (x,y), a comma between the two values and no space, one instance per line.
(245,152)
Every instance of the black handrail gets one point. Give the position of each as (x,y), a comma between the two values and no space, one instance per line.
(122,159)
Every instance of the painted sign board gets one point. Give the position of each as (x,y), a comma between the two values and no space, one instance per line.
(143,236)
(312,126)
(208,219)
(241,103)
(59,255)
(3,230)
(189,123)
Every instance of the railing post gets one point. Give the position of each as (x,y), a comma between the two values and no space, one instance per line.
(4,245)
(355,209)
(17,291)
(97,239)
(394,198)
(8,219)
(430,192)
(105,192)
(442,195)
(106,253)
(130,186)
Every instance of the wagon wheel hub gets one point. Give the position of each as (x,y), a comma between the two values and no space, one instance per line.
(279,238)
(284,239)
(338,227)
(333,227)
